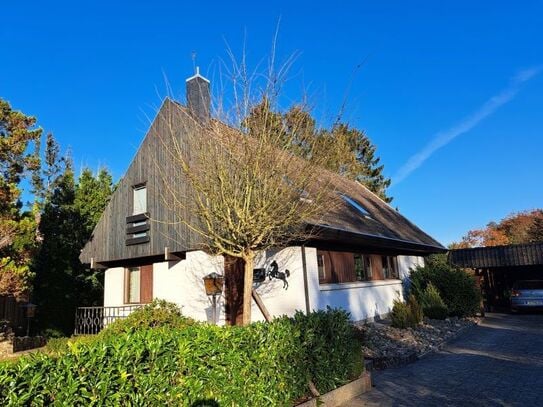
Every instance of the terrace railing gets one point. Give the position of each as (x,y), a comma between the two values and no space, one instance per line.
(91,320)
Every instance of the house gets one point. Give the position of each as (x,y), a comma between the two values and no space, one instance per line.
(358,260)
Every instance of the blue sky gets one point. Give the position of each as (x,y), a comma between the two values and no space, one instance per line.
(463,76)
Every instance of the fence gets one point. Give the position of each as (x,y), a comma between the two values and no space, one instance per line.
(11,310)
(91,320)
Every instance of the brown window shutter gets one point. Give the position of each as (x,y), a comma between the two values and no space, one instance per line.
(376,267)
(146,281)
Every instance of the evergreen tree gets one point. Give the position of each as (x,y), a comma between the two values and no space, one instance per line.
(56,264)
(18,239)
(69,216)
(347,151)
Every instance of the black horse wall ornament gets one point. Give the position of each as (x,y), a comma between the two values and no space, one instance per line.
(274,272)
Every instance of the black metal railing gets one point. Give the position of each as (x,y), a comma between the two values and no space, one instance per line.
(91,320)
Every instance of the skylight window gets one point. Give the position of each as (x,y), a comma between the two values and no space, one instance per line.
(356,205)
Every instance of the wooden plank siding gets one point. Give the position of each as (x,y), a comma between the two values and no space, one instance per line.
(108,242)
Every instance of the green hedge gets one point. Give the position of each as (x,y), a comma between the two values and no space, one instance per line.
(456,287)
(261,364)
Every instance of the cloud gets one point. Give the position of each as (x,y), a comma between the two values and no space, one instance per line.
(443,138)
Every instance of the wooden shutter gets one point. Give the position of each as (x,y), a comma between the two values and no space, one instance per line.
(338,266)
(146,284)
(376,267)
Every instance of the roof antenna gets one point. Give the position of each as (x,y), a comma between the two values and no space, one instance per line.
(194,67)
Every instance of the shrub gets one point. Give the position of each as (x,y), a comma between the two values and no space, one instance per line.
(400,315)
(406,315)
(334,350)
(416,310)
(432,303)
(456,287)
(263,364)
(155,314)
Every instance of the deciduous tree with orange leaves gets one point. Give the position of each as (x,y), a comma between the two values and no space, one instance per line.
(516,228)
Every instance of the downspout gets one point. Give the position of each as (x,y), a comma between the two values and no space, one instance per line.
(306,288)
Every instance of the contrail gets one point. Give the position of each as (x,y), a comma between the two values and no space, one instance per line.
(443,138)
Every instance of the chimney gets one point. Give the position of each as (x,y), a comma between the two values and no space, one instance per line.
(198,96)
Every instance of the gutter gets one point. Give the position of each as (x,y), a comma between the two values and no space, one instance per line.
(439,248)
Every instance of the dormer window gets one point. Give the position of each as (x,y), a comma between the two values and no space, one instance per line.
(139,199)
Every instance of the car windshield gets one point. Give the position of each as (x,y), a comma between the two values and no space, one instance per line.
(529,285)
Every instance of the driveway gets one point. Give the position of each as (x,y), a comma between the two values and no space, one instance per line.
(498,363)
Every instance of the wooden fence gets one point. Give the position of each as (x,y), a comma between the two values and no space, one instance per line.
(12,311)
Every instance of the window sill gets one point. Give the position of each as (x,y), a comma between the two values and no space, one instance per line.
(358,284)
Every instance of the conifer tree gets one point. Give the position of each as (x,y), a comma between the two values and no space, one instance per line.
(345,150)
(19,160)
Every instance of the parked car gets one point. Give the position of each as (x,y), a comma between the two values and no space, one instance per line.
(527,294)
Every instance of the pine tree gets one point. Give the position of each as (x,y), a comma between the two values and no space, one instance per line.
(18,239)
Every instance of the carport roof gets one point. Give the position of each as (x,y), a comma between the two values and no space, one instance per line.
(498,256)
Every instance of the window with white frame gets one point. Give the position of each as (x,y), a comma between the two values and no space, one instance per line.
(139,199)
(133,285)
(390,267)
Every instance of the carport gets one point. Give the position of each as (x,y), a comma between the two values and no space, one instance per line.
(498,267)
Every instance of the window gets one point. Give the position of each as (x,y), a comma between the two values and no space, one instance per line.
(140,199)
(362,267)
(390,268)
(133,285)
(357,205)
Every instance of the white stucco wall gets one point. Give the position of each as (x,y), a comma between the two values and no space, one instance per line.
(278,300)
(114,287)
(181,282)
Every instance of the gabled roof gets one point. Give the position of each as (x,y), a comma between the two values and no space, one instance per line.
(381,223)
(347,225)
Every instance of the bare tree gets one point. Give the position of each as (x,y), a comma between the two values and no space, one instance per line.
(244,187)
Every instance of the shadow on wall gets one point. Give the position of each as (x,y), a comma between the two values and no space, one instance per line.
(185,285)
(372,302)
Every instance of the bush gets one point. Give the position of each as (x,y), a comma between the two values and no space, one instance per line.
(406,315)
(432,303)
(400,315)
(456,287)
(416,310)
(155,314)
(334,350)
(263,364)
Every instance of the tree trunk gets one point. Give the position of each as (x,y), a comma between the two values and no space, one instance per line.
(249,260)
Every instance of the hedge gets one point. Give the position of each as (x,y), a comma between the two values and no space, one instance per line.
(261,364)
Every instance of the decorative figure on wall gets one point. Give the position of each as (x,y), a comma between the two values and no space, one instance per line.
(274,272)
